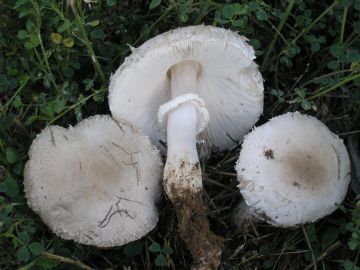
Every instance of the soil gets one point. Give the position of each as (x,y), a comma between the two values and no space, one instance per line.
(204,246)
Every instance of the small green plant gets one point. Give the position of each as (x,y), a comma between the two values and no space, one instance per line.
(162,253)
(353,228)
(320,241)
(55,62)
(279,94)
(349,265)
(301,98)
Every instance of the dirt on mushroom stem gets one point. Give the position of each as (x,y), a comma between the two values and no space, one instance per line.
(191,212)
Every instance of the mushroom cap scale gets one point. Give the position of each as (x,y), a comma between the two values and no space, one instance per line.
(228,81)
(96,183)
(293,170)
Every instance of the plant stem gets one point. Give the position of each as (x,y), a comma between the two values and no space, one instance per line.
(42,47)
(310,248)
(277,32)
(62,259)
(330,249)
(47,62)
(74,106)
(307,29)
(325,76)
(343,22)
(87,43)
(166,13)
(352,41)
(335,86)
(23,84)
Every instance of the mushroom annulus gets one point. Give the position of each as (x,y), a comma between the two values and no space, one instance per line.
(96,183)
(292,170)
(189,85)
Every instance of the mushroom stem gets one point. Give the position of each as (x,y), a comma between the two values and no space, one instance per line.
(181,133)
(182,173)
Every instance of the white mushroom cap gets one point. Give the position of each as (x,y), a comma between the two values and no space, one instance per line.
(228,82)
(293,170)
(96,183)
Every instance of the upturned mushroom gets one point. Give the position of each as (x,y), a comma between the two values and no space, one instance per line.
(203,85)
(96,183)
(293,170)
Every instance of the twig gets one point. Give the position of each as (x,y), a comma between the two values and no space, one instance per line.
(66,260)
(257,256)
(349,133)
(216,183)
(136,167)
(324,254)
(314,263)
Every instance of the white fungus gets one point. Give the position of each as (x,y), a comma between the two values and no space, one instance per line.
(96,183)
(227,81)
(293,170)
(197,83)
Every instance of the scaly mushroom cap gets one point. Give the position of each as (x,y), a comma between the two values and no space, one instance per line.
(293,170)
(96,183)
(228,82)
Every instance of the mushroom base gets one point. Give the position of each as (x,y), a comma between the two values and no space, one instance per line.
(205,247)
(191,211)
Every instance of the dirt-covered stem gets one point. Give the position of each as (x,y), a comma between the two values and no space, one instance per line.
(182,173)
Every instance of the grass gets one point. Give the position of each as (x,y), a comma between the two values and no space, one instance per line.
(55,62)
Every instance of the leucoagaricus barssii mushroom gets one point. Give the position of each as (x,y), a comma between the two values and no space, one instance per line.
(96,183)
(293,170)
(197,83)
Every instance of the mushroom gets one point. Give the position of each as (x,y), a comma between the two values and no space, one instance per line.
(202,83)
(293,170)
(96,183)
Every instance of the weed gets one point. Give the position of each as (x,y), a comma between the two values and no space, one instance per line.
(56,58)
(162,253)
